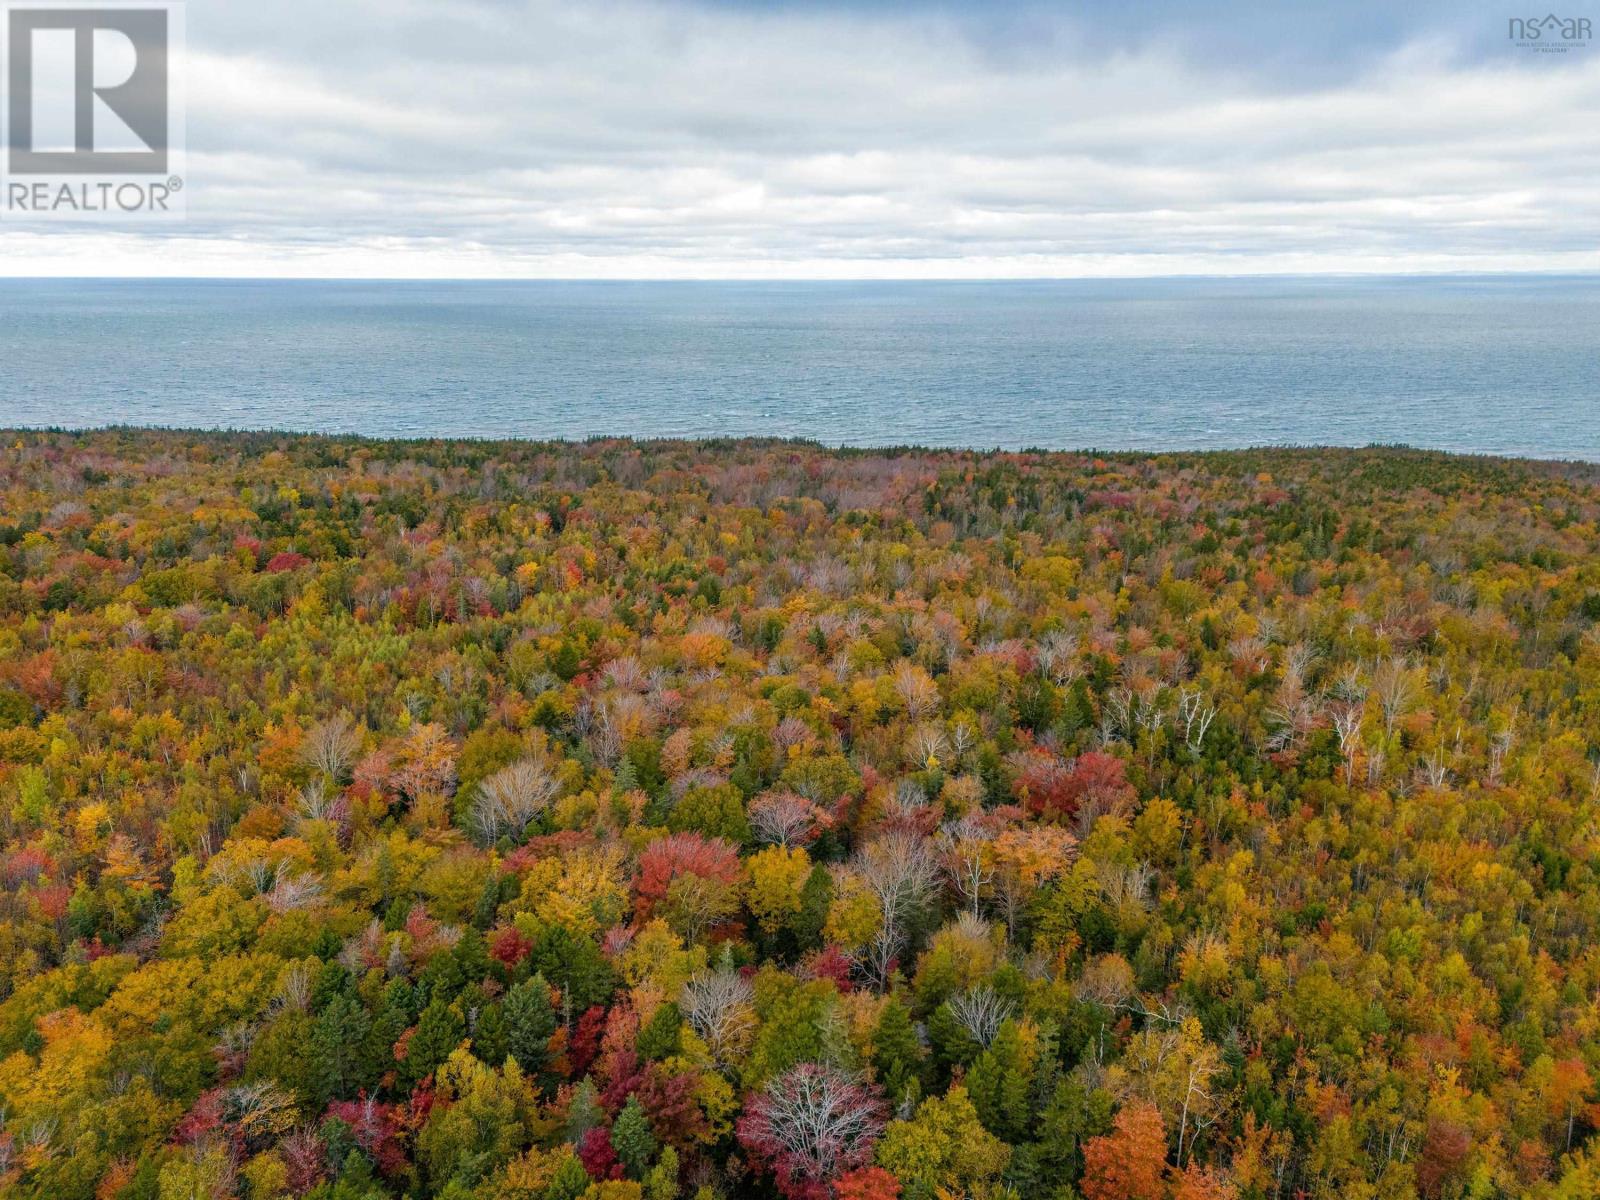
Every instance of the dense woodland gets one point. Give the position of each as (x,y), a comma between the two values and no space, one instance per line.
(638,821)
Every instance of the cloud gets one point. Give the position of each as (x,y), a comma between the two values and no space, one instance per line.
(628,139)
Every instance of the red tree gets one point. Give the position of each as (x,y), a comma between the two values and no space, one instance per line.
(510,946)
(682,854)
(868,1183)
(1093,783)
(808,1125)
(1445,1148)
(596,1154)
(375,1129)
(1129,1163)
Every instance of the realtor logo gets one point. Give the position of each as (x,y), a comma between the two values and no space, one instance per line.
(91,124)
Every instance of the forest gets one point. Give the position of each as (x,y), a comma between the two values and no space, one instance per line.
(644,821)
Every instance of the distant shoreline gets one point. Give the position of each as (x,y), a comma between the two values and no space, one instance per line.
(256,441)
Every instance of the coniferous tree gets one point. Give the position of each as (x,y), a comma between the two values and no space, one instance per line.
(529,1022)
(439,1031)
(898,1058)
(632,1139)
(339,1050)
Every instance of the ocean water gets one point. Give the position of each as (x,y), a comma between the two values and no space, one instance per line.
(1506,365)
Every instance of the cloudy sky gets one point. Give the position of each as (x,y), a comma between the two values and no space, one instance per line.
(865,138)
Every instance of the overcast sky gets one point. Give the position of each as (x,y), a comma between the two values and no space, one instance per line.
(864,138)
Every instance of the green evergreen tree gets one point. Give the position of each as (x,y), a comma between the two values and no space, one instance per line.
(442,979)
(632,1139)
(662,1181)
(483,912)
(897,1054)
(472,956)
(439,1031)
(338,1051)
(660,1037)
(569,1182)
(491,1040)
(584,1112)
(1000,1084)
(394,1016)
(815,897)
(573,963)
(529,1021)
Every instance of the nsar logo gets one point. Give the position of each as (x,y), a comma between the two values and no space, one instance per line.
(1550,34)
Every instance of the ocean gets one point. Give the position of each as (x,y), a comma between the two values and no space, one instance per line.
(1502,365)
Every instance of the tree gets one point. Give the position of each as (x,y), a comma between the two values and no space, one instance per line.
(715,812)
(1570,1084)
(692,880)
(777,878)
(898,1058)
(1130,1162)
(784,819)
(330,746)
(530,1021)
(490,1039)
(632,1139)
(943,1149)
(720,1007)
(1174,1069)
(1202,1183)
(967,860)
(671,858)
(810,1124)
(867,1183)
(1001,1081)
(438,1032)
(1025,859)
(512,798)
(338,1051)
(979,1011)
(899,871)
(575,966)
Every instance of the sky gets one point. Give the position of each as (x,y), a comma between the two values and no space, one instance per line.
(863,139)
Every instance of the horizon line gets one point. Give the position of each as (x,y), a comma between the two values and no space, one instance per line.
(823,279)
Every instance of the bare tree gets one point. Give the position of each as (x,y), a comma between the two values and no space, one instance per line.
(1396,691)
(1196,714)
(963,739)
(1127,885)
(1347,706)
(1116,715)
(928,746)
(1057,655)
(783,819)
(980,1010)
(899,870)
(1250,653)
(1499,746)
(1148,714)
(720,1007)
(331,746)
(512,798)
(294,989)
(1435,769)
(313,803)
(965,859)
(291,889)
(916,691)
(812,1123)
